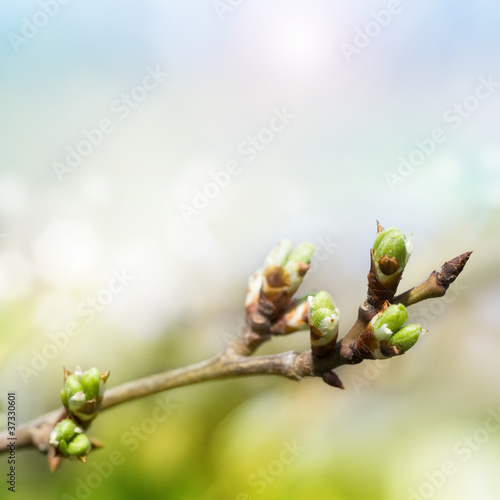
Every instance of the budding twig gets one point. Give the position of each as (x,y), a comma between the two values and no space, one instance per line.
(227,364)
(377,333)
(359,344)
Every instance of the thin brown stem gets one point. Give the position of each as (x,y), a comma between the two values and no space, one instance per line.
(218,367)
(436,284)
(227,364)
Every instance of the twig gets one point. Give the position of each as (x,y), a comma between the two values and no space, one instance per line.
(227,364)
(236,359)
(436,284)
(215,368)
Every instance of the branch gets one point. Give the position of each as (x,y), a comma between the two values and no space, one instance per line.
(227,364)
(359,343)
(288,364)
(272,311)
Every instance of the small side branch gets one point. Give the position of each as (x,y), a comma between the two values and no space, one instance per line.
(436,284)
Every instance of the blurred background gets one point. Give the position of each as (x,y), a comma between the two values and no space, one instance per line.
(154,152)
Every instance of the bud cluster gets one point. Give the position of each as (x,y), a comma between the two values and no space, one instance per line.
(393,336)
(268,302)
(82,392)
(389,256)
(324,323)
(69,439)
(380,331)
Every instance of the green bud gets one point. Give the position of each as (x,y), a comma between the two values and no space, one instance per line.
(302,253)
(79,445)
(279,254)
(391,252)
(326,321)
(320,300)
(323,319)
(91,383)
(282,275)
(82,393)
(66,429)
(71,387)
(69,439)
(388,322)
(62,448)
(406,337)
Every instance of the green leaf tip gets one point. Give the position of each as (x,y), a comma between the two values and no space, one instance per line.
(387,322)
(321,300)
(302,253)
(323,321)
(405,338)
